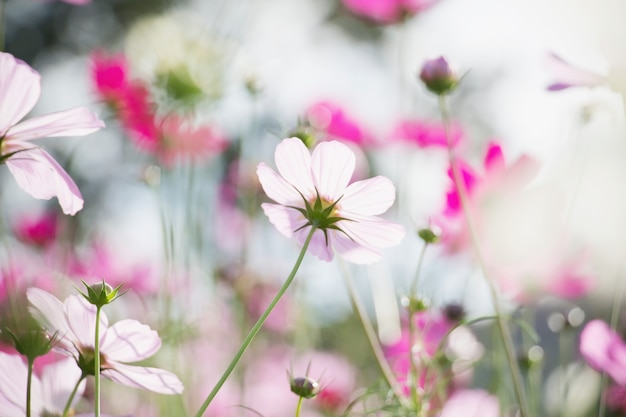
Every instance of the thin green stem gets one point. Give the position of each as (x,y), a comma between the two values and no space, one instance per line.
(29,380)
(299,407)
(257,326)
(68,404)
(505,334)
(359,308)
(96,367)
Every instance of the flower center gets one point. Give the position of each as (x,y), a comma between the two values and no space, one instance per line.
(86,360)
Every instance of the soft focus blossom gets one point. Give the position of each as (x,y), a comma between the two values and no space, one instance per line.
(603,349)
(438,76)
(38,230)
(566,75)
(308,186)
(386,11)
(125,341)
(49,394)
(35,171)
(471,403)
(426,134)
(336,123)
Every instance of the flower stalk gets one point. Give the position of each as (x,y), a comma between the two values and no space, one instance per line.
(29,380)
(68,404)
(96,361)
(257,326)
(503,330)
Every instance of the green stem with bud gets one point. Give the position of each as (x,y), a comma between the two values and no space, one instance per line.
(96,360)
(503,330)
(257,326)
(29,381)
(68,404)
(299,406)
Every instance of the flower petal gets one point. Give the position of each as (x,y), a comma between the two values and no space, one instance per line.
(603,350)
(130,341)
(285,219)
(354,252)
(293,161)
(471,403)
(566,76)
(332,165)
(368,197)
(37,173)
(57,382)
(277,188)
(81,317)
(151,379)
(74,122)
(50,312)
(12,385)
(372,231)
(20,87)
(319,245)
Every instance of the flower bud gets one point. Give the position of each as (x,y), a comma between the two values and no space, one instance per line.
(101,293)
(438,76)
(32,343)
(305,387)
(454,312)
(429,235)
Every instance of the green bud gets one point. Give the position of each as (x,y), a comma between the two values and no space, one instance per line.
(305,387)
(101,293)
(414,304)
(32,343)
(429,235)
(438,76)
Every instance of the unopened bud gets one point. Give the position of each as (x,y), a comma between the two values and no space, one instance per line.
(429,235)
(438,76)
(305,387)
(101,293)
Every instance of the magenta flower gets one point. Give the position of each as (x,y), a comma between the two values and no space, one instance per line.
(40,230)
(312,189)
(604,350)
(426,134)
(126,341)
(387,11)
(49,393)
(331,119)
(35,171)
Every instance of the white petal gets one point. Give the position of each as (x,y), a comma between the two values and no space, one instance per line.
(353,251)
(12,385)
(293,161)
(20,87)
(81,317)
(57,383)
(130,341)
(368,197)
(320,245)
(151,379)
(332,164)
(285,219)
(37,173)
(50,312)
(277,188)
(372,231)
(74,122)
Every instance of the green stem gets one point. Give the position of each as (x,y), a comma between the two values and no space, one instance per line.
(96,370)
(257,326)
(299,406)
(359,308)
(29,380)
(412,296)
(68,404)
(505,335)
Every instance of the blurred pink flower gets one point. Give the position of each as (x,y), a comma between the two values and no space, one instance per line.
(565,75)
(35,171)
(110,76)
(49,394)
(125,341)
(314,188)
(332,120)
(603,349)
(77,2)
(38,230)
(387,11)
(471,403)
(425,134)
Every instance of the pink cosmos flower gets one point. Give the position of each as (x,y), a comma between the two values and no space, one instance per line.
(387,11)
(471,403)
(125,341)
(40,230)
(331,119)
(49,393)
(313,189)
(603,349)
(35,171)
(425,134)
(566,75)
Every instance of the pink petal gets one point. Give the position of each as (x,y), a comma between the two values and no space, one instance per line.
(19,90)
(130,341)
(368,197)
(602,349)
(49,310)
(372,231)
(277,188)
(81,317)
(331,118)
(382,11)
(471,403)
(37,173)
(75,122)
(566,75)
(353,251)
(319,246)
(293,162)
(285,219)
(494,158)
(151,379)
(332,165)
